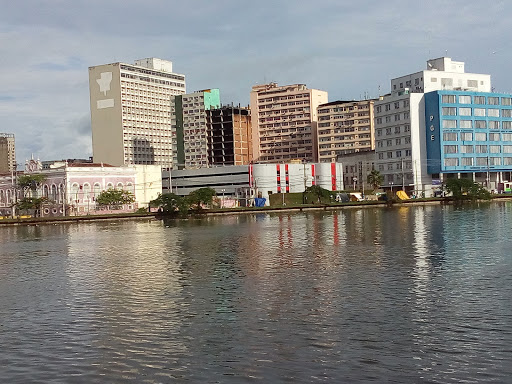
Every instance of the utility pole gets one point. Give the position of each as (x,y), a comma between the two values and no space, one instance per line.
(403,175)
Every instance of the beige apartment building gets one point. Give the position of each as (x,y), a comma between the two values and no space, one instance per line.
(344,127)
(131,111)
(7,153)
(284,122)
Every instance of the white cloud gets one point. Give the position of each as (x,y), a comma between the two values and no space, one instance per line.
(346,48)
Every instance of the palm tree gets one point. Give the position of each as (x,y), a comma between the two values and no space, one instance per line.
(375,179)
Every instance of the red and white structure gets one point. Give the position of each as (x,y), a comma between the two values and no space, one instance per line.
(266,179)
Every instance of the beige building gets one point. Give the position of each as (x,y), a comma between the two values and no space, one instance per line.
(344,127)
(7,153)
(131,111)
(284,122)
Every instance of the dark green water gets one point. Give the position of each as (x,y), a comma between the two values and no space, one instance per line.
(407,295)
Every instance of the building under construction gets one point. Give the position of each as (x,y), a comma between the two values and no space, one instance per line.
(229,135)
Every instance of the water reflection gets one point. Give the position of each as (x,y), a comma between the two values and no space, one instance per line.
(406,294)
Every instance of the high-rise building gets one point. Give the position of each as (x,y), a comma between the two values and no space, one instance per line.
(284,121)
(7,153)
(400,123)
(344,127)
(131,111)
(190,128)
(229,136)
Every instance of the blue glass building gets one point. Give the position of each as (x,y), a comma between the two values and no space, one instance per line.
(468,132)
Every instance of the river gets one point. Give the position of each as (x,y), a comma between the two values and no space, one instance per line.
(417,294)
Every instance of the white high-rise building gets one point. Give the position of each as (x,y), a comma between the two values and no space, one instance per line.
(131,111)
(400,138)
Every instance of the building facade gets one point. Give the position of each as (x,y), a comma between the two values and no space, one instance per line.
(469,134)
(131,113)
(190,128)
(7,153)
(284,120)
(356,168)
(400,138)
(344,127)
(229,136)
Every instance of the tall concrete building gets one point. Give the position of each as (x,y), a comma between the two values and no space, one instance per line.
(229,136)
(344,127)
(284,120)
(190,128)
(131,111)
(7,153)
(400,123)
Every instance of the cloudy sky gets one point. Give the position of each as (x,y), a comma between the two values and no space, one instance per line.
(348,48)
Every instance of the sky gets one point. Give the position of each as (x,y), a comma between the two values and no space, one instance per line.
(349,48)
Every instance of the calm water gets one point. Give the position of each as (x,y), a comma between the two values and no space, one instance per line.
(409,295)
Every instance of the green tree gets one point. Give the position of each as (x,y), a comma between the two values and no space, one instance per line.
(319,192)
(31,203)
(375,179)
(114,198)
(466,189)
(170,203)
(200,197)
(30,182)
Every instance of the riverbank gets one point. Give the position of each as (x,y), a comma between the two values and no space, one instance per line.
(230,211)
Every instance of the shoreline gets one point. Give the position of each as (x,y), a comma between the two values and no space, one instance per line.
(227,211)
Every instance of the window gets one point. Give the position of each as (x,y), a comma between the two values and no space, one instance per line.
(494,137)
(507,161)
(398,153)
(388,131)
(450,136)
(494,161)
(479,99)
(397,129)
(480,136)
(506,112)
(381,156)
(494,124)
(472,83)
(466,136)
(481,148)
(388,119)
(407,140)
(466,161)
(390,167)
(407,152)
(506,124)
(379,108)
(398,141)
(407,128)
(493,100)
(507,149)
(380,144)
(464,99)
(433,79)
(397,117)
(465,111)
(448,99)
(450,149)
(480,124)
(506,101)
(479,111)
(494,149)
(465,123)
(388,107)
(381,167)
(481,161)
(449,123)
(389,143)
(466,149)
(451,162)
(449,111)
(389,155)
(397,104)
(379,132)
(506,136)
(493,112)
(379,120)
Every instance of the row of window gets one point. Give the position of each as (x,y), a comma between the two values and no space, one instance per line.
(480,112)
(480,124)
(451,149)
(396,130)
(396,117)
(397,141)
(476,136)
(477,161)
(395,105)
(466,99)
(397,154)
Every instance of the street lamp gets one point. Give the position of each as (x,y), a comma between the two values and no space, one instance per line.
(222,201)
(354,180)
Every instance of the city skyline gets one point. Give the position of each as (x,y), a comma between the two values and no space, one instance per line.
(347,50)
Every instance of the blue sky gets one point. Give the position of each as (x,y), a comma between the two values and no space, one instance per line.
(348,48)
